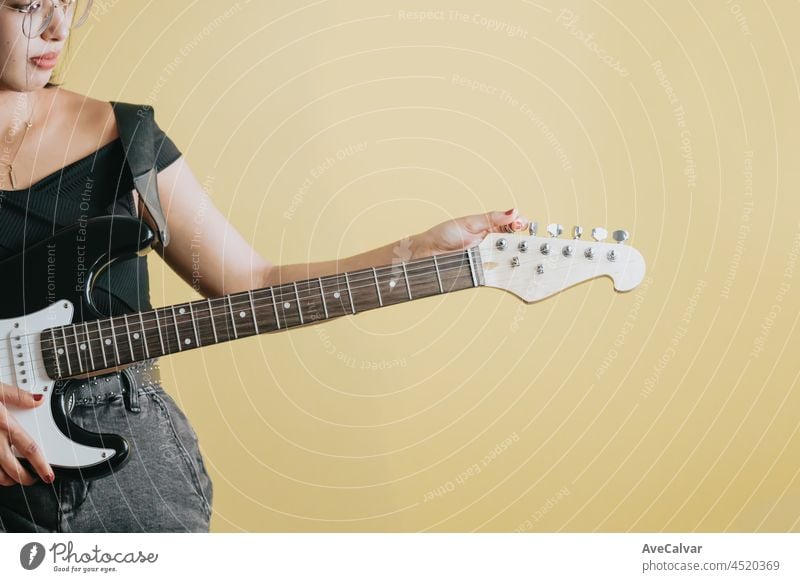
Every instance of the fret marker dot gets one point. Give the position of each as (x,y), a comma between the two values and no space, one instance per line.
(182,310)
(241,314)
(337,295)
(392,283)
(287,305)
(187,341)
(83,346)
(60,351)
(136,335)
(108,342)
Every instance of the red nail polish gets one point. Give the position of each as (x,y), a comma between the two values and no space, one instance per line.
(38,397)
(509,212)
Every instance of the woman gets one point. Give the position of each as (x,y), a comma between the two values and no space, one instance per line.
(49,152)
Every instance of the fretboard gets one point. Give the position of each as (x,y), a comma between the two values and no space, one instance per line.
(89,346)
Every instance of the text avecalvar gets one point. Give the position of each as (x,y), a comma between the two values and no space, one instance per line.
(671,549)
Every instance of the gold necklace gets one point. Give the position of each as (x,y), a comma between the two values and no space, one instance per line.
(10,165)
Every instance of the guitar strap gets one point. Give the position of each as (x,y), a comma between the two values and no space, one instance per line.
(135,124)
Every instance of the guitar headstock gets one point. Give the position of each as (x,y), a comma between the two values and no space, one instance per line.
(534,267)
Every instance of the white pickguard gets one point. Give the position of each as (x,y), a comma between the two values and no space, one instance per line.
(21,365)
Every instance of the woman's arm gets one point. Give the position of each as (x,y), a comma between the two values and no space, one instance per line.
(213,257)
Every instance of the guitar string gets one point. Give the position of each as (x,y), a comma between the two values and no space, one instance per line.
(460,257)
(311,286)
(200,317)
(445,267)
(209,315)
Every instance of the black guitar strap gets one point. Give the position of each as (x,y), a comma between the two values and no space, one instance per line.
(135,124)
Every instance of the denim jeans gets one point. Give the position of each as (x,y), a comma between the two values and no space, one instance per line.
(163,487)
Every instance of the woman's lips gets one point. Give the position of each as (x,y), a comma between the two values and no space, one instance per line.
(46,61)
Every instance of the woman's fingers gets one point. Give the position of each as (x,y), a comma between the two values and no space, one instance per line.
(512,222)
(497,221)
(12,434)
(13,469)
(5,480)
(29,449)
(14,396)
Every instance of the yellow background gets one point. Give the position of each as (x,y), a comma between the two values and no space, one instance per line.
(323,129)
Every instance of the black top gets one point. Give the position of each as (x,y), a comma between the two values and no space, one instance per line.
(98,184)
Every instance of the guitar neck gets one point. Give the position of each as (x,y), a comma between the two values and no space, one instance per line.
(86,347)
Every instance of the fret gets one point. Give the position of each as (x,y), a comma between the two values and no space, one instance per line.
(144,336)
(472,269)
(187,340)
(322,294)
(275,306)
(253,310)
(77,348)
(160,336)
(211,317)
(377,286)
(128,333)
(66,350)
(297,296)
(88,340)
(285,305)
(243,299)
(349,293)
(55,352)
(177,333)
(438,276)
(114,341)
(225,330)
(422,278)
(408,285)
(102,344)
(194,326)
(233,319)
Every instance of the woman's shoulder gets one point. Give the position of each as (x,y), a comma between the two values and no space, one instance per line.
(85,118)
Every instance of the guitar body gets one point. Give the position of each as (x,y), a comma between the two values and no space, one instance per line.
(50,284)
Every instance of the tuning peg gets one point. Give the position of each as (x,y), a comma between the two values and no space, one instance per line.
(555,229)
(620,236)
(577,232)
(532,227)
(599,233)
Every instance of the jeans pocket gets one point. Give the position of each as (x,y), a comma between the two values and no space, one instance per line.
(188,446)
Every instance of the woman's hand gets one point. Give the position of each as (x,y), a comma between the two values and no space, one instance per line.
(461,233)
(11,471)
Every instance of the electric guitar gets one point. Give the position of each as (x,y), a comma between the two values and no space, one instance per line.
(52,331)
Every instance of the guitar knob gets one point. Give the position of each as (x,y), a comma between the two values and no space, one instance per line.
(501,243)
(599,233)
(620,236)
(532,227)
(577,231)
(555,229)
(523,246)
(568,250)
